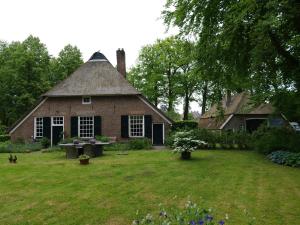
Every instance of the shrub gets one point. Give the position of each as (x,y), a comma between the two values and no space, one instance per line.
(8,147)
(45,142)
(4,138)
(102,138)
(186,142)
(117,147)
(267,140)
(140,143)
(184,125)
(285,158)
(83,157)
(191,214)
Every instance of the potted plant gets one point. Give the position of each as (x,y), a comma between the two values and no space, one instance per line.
(84,159)
(185,143)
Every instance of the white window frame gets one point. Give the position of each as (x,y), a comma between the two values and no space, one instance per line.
(129,127)
(93,126)
(35,127)
(86,97)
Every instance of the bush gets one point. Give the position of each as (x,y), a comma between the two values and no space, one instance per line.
(191,214)
(267,140)
(45,142)
(184,125)
(139,144)
(102,138)
(117,147)
(8,147)
(186,142)
(4,138)
(285,158)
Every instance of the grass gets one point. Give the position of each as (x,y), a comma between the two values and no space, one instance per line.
(45,188)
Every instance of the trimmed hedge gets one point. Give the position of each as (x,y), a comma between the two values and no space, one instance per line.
(8,147)
(267,140)
(185,125)
(4,138)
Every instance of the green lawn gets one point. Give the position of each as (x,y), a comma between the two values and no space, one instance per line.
(45,188)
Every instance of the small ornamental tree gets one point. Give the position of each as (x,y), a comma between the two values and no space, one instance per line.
(185,143)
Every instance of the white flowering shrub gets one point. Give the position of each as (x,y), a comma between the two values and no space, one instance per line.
(186,142)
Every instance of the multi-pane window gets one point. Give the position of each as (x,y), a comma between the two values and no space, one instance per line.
(86,100)
(58,120)
(86,126)
(38,127)
(136,126)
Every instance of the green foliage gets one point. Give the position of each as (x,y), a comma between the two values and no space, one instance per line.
(83,157)
(69,140)
(27,71)
(102,138)
(184,125)
(285,158)
(217,140)
(8,147)
(165,72)
(139,143)
(191,214)
(118,146)
(45,142)
(267,140)
(4,138)
(173,115)
(244,45)
(3,129)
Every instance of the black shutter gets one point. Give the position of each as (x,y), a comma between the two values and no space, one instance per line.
(124,126)
(47,127)
(97,125)
(74,126)
(148,126)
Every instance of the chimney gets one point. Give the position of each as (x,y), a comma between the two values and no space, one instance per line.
(121,66)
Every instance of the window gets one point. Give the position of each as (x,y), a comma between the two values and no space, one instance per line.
(38,127)
(136,126)
(86,126)
(87,100)
(58,121)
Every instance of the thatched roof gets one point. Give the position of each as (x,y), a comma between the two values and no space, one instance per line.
(96,77)
(240,104)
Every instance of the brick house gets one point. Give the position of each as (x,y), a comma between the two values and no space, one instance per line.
(240,113)
(94,100)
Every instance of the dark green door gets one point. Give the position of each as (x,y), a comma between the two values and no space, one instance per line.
(57,134)
(158,134)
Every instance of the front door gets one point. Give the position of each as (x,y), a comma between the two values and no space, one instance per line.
(57,134)
(57,129)
(158,134)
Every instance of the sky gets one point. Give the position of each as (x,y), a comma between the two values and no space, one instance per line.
(91,25)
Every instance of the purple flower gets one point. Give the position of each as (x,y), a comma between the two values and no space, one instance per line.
(208,218)
(200,222)
(221,222)
(192,222)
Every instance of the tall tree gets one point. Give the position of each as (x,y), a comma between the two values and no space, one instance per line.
(68,60)
(23,74)
(242,45)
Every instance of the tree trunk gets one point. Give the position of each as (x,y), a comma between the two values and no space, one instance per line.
(186,106)
(228,97)
(170,92)
(204,99)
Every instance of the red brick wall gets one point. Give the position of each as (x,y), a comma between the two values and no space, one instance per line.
(109,108)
